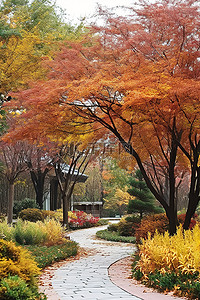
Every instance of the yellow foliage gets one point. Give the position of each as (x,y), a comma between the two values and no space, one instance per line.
(175,253)
(15,260)
(53,229)
(19,62)
(71,215)
(120,198)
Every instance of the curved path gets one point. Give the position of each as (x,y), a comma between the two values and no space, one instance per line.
(87,277)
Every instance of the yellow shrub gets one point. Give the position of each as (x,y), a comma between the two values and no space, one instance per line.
(15,260)
(175,253)
(71,215)
(53,230)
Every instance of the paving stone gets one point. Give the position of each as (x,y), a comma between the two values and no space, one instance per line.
(88,278)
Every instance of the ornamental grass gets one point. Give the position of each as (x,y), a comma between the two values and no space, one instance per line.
(175,253)
(171,263)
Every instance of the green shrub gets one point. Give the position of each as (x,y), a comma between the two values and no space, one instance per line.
(128,225)
(15,288)
(187,285)
(114,236)
(24,204)
(29,233)
(32,215)
(113,227)
(133,218)
(102,222)
(45,256)
(6,231)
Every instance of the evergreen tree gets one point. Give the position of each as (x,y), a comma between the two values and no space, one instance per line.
(144,201)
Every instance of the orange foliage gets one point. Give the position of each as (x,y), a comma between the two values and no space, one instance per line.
(137,78)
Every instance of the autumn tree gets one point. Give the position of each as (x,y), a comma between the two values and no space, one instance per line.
(12,158)
(70,164)
(92,190)
(118,202)
(115,182)
(29,30)
(39,160)
(137,78)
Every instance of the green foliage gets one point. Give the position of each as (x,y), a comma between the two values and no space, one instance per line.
(102,222)
(114,236)
(32,215)
(113,227)
(181,284)
(90,190)
(24,204)
(115,179)
(43,16)
(28,233)
(137,274)
(128,225)
(15,288)
(45,256)
(6,231)
(144,201)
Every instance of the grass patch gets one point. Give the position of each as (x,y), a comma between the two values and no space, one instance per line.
(45,256)
(114,236)
(102,222)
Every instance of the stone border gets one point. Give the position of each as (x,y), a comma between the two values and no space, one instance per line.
(120,274)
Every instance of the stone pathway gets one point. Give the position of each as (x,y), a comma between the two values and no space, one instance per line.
(88,278)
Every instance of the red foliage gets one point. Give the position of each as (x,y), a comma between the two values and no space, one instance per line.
(82,220)
(158,222)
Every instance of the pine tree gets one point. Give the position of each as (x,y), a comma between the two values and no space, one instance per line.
(144,201)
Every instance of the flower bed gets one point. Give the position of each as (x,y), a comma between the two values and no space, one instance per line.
(80,219)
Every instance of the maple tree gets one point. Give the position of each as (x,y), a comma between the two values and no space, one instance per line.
(138,78)
(39,159)
(71,163)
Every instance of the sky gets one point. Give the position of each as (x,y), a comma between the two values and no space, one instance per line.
(76,9)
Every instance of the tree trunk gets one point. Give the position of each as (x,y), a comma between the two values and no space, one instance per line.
(10,202)
(101,165)
(38,179)
(172,222)
(193,203)
(65,209)
(54,194)
(39,196)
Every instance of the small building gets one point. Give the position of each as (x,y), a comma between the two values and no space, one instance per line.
(93,208)
(53,199)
